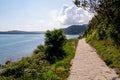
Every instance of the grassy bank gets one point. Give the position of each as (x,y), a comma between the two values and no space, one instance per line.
(109,52)
(60,69)
(37,67)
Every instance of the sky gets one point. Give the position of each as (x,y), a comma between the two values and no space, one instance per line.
(40,15)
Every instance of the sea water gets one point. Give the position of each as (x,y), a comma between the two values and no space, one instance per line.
(15,46)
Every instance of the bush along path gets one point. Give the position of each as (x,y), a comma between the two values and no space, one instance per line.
(87,65)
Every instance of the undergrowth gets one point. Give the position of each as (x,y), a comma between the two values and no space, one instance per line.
(109,52)
(37,67)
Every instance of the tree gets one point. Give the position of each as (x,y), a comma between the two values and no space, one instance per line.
(54,41)
(105,8)
(77,3)
(107,14)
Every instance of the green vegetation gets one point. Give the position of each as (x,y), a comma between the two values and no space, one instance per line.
(108,52)
(54,41)
(38,66)
(104,30)
(60,69)
(76,29)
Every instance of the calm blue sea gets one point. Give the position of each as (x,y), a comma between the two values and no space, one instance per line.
(15,46)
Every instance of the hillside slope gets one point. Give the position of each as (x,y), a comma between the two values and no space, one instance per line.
(104,33)
(75,29)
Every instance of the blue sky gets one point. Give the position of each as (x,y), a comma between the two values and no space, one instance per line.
(37,15)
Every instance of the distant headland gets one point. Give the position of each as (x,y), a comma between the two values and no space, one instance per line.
(70,30)
(21,32)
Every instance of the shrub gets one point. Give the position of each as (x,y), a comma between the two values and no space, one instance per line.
(41,48)
(7,62)
(37,67)
(54,41)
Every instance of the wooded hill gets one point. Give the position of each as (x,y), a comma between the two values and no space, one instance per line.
(104,31)
(75,29)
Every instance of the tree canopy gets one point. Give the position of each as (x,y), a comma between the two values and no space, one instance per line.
(54,41)
(106,21)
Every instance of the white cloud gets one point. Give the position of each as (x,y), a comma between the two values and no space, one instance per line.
(71,15)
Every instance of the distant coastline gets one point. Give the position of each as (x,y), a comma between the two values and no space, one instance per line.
(21,32)
(70,30)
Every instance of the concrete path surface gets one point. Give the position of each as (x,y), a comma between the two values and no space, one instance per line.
(87,65)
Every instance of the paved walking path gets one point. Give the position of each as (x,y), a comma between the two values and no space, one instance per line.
(87,65)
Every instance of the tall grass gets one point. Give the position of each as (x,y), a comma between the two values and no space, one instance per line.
(109,52)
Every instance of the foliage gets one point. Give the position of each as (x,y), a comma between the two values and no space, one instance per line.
(75,29)
(54,41)
(77,3)
(60,69)
(29,67)
(104,31)
(37,67)
(106,22)
(108,52)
